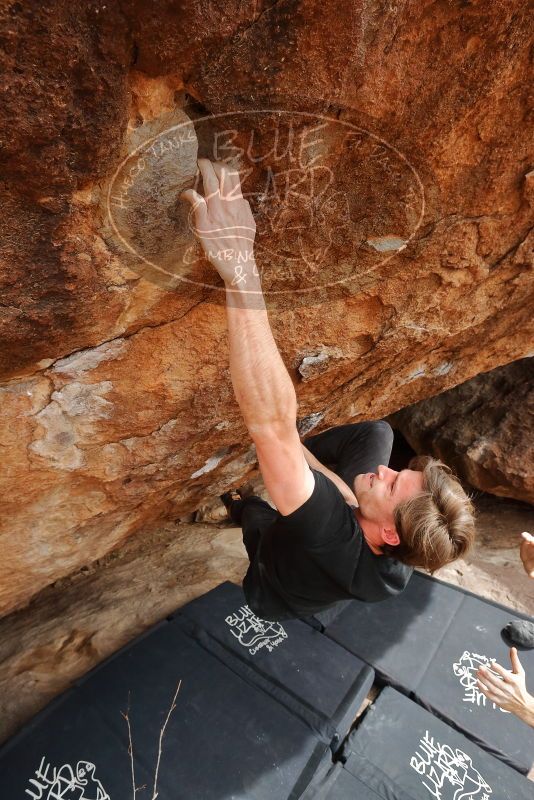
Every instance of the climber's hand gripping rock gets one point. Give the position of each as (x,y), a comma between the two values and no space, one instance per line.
(224,223)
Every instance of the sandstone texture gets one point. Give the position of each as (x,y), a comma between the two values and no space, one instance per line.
(385,152)
(483,428)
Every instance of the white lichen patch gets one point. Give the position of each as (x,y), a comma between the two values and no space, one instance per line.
(84,398)
(416,374)
(75,404)
(308,423)
(385,244)
(319,361)
(308,361)
(444,368)
(212,462)
(86,360)
(235,466)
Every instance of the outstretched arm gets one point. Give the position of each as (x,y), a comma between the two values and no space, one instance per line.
(262,385)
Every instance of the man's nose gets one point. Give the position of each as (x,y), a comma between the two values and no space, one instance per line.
(383,471)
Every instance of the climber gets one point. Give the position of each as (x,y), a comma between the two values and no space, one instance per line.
(356,532)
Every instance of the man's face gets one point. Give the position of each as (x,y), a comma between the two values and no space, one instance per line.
(379,492)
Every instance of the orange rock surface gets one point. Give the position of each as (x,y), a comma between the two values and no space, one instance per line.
(385,152)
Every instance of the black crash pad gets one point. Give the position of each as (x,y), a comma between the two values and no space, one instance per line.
(402,752)
(449,688)
(225,738)
(347,787)
(339,784)
(316,679)
(428,642)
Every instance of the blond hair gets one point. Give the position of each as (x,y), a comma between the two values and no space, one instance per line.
(437,526)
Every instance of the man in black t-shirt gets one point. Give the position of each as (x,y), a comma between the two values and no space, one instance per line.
(326,540)
(317,555)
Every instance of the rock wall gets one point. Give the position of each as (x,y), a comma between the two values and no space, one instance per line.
(73,624)
(384,149)
(482,428)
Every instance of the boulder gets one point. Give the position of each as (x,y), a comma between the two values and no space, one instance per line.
(483,428)
(384,152)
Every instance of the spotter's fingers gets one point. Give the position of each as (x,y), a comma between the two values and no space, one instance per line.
(491,680)
(516,664)
(490,694)
(482,686)
(504,673)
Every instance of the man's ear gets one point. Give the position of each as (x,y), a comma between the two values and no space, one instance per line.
(390,536)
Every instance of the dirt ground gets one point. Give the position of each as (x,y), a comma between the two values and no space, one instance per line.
(494,570)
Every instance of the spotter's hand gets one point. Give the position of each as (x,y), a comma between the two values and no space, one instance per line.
(526,552)
(507,689)
(224,224)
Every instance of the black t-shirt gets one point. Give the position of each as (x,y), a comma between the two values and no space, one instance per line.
(316,556)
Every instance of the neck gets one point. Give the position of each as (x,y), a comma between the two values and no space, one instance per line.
(370,532)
